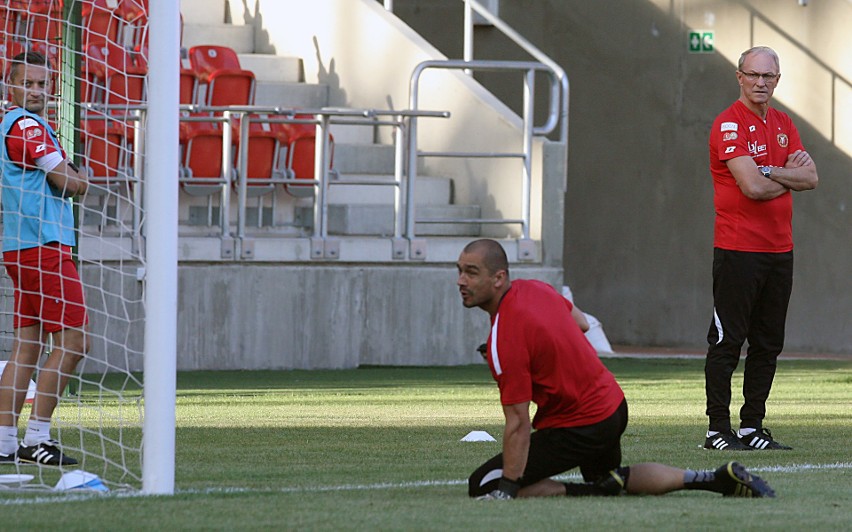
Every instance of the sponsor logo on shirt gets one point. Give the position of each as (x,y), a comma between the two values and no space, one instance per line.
(752,128)
(730,135)
(33,132)
(782,140)
(24,123)
(729,126)
(41,148)
(756,149)
(730,149)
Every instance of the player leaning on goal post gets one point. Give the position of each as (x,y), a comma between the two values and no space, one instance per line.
(537,352)
(38,234)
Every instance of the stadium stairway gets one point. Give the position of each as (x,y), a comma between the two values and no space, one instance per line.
(353,209)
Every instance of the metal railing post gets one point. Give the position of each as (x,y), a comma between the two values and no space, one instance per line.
(529,94)
(138,171)
(412,169)
(242,177)
(321,174)
(227,165)
(468,35)
(398,174)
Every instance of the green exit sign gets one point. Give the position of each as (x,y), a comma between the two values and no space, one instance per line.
(700,42)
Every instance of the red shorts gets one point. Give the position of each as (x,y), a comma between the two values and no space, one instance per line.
(48,290)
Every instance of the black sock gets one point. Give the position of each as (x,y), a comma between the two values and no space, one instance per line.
(701,480)
(573,489)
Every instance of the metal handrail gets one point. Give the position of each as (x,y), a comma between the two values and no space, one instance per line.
(322,118)
(529,130)
(472,6)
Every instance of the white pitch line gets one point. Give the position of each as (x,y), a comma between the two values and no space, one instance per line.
(72,497)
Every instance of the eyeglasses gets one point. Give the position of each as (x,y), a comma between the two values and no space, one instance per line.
(768,77)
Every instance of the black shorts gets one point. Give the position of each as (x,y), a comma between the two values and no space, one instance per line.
(595,449)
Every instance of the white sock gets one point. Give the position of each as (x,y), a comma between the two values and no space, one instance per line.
(745,432)
(37,432)
(8,440)
(711,433)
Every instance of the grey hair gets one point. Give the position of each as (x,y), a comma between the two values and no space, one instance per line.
(759,50)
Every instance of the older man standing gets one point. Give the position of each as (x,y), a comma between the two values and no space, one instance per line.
(757,160)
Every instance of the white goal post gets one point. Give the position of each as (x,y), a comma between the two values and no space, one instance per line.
(161,201)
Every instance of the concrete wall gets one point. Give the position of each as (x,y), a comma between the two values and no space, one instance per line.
(272,316)
(639,211)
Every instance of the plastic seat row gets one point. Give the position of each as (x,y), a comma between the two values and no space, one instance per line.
(31,20)
(107,154)
(115,21)
(202,145)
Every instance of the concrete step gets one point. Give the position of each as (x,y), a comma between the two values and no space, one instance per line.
(240,38)
(298,95)
(361,159)
(365,159)
(431,190)
(369,219)
(273,68)
(203,11)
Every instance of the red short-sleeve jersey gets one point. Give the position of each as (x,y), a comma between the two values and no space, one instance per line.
(537,352)
(744,224)
(27,141)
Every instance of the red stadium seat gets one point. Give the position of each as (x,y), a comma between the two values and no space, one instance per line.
(201,164)
(105,156)
(52,53)
(112,75)
(187,86)
(264,144)
(9,50)
(101,22)
(38,20)
(218,68)
(301,150)
(7,25)
(125,77)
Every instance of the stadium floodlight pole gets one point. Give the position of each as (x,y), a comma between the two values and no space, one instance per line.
(161,202)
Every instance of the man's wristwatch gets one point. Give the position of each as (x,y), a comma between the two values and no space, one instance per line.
(766,171)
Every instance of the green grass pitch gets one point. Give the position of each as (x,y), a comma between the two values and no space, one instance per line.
(378,449)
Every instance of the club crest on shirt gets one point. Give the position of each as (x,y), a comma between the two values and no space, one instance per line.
(782,140)
(33,132)
(730,135)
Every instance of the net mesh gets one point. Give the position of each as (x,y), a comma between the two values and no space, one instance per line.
(97,52)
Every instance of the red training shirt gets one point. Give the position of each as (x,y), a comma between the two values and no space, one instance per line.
(744,224)
(537,352)
(28,141)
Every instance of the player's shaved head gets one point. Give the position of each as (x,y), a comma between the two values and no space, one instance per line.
(493,255)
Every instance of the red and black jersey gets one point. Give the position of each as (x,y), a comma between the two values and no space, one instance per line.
(537,352)
(744,224)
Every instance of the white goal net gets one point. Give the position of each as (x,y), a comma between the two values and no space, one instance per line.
(94,114)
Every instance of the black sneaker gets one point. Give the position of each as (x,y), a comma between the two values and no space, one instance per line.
(736,481)
(8,458)
(762,439)
(45,453)
(725,441)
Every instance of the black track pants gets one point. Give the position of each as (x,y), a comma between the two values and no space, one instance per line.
(751,292)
